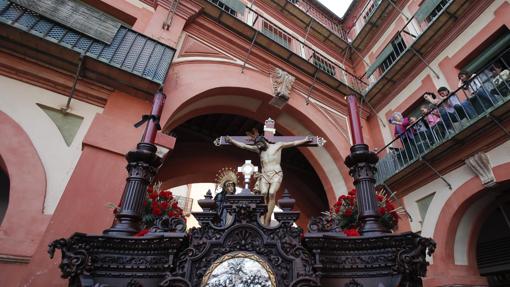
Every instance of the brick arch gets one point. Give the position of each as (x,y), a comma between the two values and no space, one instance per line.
(194,82)
(446,271)
(24,221)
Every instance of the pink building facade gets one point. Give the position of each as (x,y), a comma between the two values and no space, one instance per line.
(59,170)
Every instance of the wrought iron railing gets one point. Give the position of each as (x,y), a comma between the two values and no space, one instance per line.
(321,17)
(363,18)
(413,28)
(443,120)
(327,64)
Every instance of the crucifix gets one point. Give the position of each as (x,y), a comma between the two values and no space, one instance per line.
(269,147)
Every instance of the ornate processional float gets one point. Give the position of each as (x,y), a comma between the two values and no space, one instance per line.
(244,250)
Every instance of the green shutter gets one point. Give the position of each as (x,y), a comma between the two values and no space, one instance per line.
(235,5)
(384,54)
(488,54)
(425,9)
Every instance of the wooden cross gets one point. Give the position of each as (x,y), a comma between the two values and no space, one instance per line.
(269,134)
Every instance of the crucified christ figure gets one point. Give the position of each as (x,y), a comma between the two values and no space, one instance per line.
(271,176)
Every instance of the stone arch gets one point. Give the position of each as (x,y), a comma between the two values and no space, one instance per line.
(467,200)
(212,87)
(27,191)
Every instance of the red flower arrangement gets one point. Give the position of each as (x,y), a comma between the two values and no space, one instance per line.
(345,210)
(157,204)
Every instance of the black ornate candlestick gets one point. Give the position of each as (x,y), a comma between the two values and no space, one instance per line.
(142,166)
(361,163)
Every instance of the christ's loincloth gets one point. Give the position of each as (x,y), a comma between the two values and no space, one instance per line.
(268,177)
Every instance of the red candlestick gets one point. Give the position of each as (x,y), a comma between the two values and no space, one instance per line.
(157,109)
(354,120)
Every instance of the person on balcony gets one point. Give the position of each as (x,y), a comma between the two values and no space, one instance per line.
(434,122)
(475,92)
(501,80)
(405,135)
(451,109)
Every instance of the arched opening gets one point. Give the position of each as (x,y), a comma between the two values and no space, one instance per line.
(195,159)
(493,244)
(4,190)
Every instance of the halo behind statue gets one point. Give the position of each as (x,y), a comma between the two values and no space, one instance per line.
(226,174)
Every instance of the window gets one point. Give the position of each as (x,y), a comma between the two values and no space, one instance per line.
(371,10)
(398,47)
(224,7)
(276,34)
(437,10)
(323,64)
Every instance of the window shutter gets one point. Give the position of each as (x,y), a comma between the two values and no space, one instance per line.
(425,9)
(235,5)
(384,54)
(76,15)
(488,54)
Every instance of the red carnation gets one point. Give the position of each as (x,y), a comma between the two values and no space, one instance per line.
(381,210)
(153,195)
(337,209)
(150,189)
(164,205)
(171,213)
(389,206)
(352,192)
(156,211)
(175,204)
(351,232)
(348,212)
(379,197)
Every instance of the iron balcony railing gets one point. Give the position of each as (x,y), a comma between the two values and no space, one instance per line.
(298,47)
(363,18)
(129,51)
(483,93)
(408,34)
(321,17)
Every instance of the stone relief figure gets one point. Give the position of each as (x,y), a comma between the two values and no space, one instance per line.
(282,85)
(226,180)
(271,176)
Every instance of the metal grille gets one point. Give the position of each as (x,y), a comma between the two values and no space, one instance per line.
(323,64)
(129,51)
(71,38)
(276,34)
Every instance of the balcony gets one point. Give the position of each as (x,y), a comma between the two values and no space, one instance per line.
(323,27)
(260,31)
(443,137)
(132,62)
(419,38)
(368,22)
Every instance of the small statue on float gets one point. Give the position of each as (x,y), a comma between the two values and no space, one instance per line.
(226,183)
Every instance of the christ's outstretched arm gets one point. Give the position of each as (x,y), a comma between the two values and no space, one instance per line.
(297,142)
(241,145)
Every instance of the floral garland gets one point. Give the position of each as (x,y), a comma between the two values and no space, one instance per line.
(345,211)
